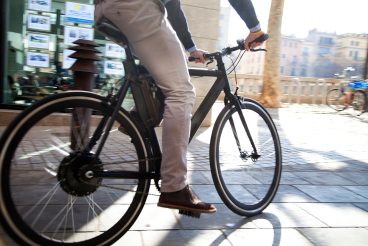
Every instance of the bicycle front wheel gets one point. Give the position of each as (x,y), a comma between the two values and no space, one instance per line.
(246,181)
(335,99)
(48,195)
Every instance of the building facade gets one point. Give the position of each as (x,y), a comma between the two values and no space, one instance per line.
(351,51)
(320,55)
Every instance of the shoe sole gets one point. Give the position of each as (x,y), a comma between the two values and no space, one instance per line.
(173,206)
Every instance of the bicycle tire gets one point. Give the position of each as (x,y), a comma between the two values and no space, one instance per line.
(45,199)
(246,186)
(335,99)
(360,101)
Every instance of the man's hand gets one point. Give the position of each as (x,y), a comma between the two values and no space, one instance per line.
(198,55)
(251,37)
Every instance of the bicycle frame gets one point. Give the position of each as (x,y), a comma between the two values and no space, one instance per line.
(221,84)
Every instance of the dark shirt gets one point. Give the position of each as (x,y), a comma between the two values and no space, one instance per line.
(246,11)
(178,21)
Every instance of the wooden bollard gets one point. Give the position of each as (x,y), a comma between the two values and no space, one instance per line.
(84,70)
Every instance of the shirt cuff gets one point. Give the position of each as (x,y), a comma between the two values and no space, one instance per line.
(256,28)
(190,50)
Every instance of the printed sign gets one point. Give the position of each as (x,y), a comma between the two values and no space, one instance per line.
(114,68)
(114,51)
(39,22)
(41,5)
(38,41)
(35,59)
(73,33)
(67,61)
(80,13)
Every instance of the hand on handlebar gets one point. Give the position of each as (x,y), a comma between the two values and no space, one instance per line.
(198,56)
(253,40)
(250,42)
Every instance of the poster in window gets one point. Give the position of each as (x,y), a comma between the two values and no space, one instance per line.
(40,5)
(73,33)
(39,22)
(79,13)
(114,51)
(36,59)
(67,61)
(38,41)
(114,68)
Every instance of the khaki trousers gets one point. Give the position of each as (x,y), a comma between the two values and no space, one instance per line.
(157,46)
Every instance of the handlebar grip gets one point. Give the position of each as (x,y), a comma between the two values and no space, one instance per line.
(260,39)
(191,59)
(205,55)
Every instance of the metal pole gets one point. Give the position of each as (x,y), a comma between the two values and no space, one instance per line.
(57,50)
(3,46)
(365,70)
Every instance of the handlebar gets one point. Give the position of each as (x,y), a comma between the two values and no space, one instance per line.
(228,50)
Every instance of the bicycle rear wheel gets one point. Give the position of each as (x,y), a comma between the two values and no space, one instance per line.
(47,195)
(246,183)
(335,99)
(360,101)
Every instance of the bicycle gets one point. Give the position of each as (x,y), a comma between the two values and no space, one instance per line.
(64,182)
(339,100)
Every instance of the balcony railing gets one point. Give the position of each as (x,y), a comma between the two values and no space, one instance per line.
(292,89)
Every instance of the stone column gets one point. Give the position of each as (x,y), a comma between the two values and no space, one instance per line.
(203,21)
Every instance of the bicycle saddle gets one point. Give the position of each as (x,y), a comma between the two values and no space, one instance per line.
(110,30)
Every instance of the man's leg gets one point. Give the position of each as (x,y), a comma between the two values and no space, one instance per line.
(160,51)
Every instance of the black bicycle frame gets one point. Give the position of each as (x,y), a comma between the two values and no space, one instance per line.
(221,84)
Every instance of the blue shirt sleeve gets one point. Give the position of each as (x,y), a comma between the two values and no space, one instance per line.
(178,21)
(246,11)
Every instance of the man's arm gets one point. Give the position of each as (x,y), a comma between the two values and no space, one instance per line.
(178,21)
(246,11)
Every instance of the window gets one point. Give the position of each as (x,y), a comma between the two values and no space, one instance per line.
(323,51)
(325,41)
(38,61)
(305,51)
(356,56)
(354,43)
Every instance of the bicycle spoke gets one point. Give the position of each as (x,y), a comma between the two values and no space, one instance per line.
(64,208)
(52,191)
(46,180)
(250,170)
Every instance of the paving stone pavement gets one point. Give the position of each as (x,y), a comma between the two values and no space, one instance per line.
(322,199)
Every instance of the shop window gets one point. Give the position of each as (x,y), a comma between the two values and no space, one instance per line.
(38,55)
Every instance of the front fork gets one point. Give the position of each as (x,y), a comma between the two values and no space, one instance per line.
(236,101)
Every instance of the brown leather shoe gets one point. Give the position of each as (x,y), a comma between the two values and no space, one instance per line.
(185,199)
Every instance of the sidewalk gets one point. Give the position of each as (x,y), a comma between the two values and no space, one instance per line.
(322,199)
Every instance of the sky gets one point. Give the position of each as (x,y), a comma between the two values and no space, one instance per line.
(300,16)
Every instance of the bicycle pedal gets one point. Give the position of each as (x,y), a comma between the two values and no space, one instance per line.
(190,213)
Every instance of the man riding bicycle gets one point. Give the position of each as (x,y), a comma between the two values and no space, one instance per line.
(157,45)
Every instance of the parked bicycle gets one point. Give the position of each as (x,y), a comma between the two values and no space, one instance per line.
(354,95)
(69,176)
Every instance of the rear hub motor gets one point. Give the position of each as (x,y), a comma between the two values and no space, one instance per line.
(76,174)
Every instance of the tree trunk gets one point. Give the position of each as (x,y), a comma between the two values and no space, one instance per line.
(270,96)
